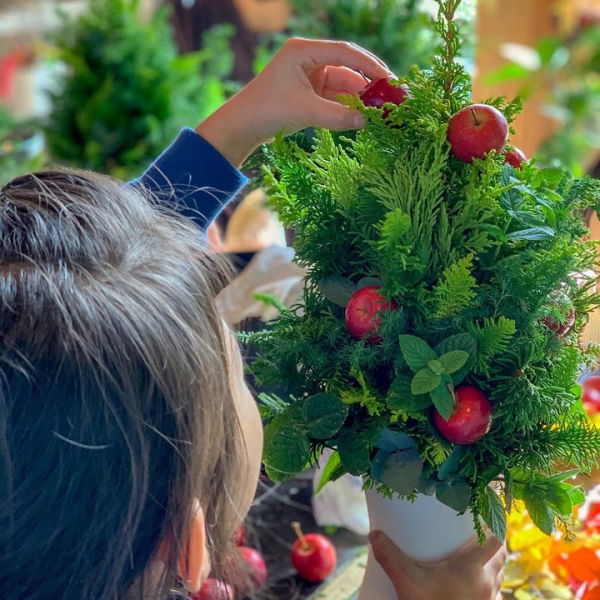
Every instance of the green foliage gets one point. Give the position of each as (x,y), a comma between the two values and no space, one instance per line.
(474,258)
(125,92)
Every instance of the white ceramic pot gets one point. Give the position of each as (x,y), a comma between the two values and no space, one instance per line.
(425,529)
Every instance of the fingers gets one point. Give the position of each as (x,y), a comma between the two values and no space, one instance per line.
(386,553)
(332,115)
(312,54)
(481,554)
(330,82)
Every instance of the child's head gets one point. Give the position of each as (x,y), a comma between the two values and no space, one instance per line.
(117,414)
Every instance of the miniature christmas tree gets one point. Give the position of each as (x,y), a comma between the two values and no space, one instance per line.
(436,347)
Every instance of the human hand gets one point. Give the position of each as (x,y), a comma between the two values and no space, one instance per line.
(471,573)
(297,89)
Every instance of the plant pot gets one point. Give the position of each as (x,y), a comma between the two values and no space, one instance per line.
(425,529)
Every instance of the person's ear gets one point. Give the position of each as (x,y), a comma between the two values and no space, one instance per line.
(193,559)
(215,241)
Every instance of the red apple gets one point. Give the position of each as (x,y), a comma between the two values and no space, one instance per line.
(561,328)
(590,394)
(213,589)
(313,555)
(363,313)
(381,91)
(239,537)
(515,157)
(256,567)
(475,130)
(471,419)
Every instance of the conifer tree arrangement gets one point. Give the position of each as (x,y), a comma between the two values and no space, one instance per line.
(436,347)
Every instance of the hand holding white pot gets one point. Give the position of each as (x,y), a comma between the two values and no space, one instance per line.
(471,573)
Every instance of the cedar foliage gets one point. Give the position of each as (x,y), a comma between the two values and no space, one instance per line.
(476,257)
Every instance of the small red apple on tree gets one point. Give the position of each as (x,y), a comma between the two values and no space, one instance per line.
(475,130)
(363,313)
(213,589)
(590,395)
(313,555)
(515,157)
(381,91)
(471,419)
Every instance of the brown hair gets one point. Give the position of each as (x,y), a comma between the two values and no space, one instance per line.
(115,407)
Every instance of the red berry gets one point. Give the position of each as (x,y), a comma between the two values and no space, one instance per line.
(382,91)
(561,328)
(363,316)
(239,537)
(475,130)
(471,419)
(213,589)
(515,157)
(257,569)
(314,557)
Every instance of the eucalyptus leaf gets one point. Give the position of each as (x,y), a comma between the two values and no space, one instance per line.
(325,414)
(425,381)
(426,485)
(367,282)
(455,493)
(337,289)
(390,441)
(451,464)
(416,352)
(398,470)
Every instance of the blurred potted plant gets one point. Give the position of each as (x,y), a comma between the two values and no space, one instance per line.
(125,91)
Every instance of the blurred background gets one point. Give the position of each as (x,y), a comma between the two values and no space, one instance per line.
(106,85)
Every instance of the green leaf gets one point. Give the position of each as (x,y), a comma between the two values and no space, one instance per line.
(325,414)
(532,234)
(416,352)
(401,397)
(461,341)
(443,398)
(493,513)
(436,367)
(451,464)
(426,485)
(354,452)
(538,510)
(390,441)
(425,381)
(286,450)
(577,496)
(559,500)
(452,361)
(455,493)
(333,470)
(337,289)
(398,470)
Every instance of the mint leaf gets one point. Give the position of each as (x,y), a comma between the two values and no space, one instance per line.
(559,500)
(333,470)
(325,414)
(436,366)
(455,493)
(493,513)
(398,470)
(354,452)
(577,496)
(460,341)
(532,234)
(425,381)
(401,397)
(337,289)
(443,398)
(286,450)
(538,510)
(416,352)
(452,361)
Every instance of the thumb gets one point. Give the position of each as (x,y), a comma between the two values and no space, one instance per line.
(392,560)
(333,115)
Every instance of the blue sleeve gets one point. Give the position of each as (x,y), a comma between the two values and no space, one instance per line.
(194,177)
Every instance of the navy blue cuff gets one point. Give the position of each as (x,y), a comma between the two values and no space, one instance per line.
(194,177)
